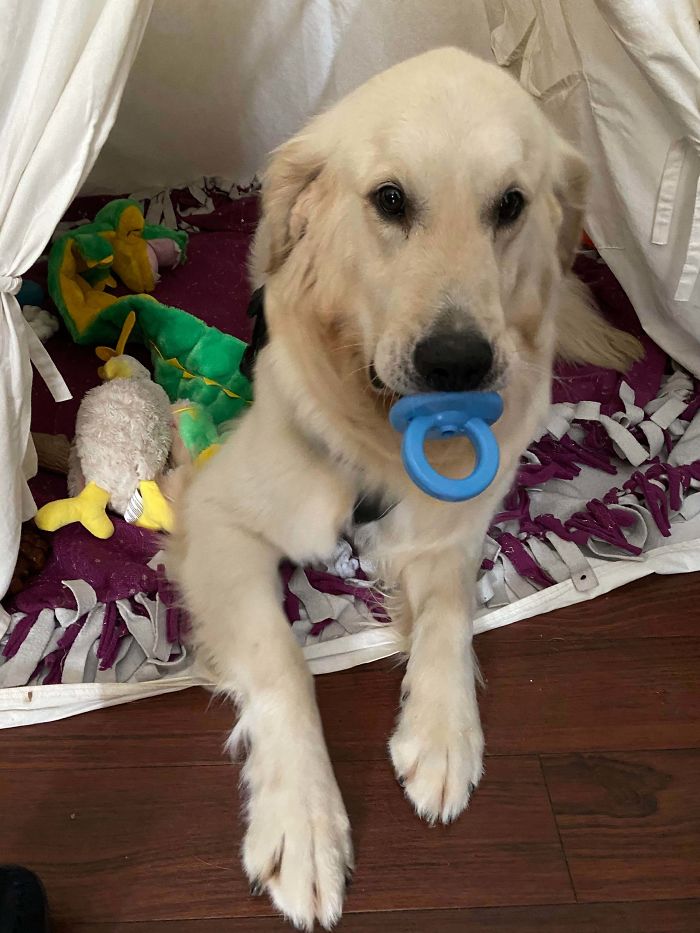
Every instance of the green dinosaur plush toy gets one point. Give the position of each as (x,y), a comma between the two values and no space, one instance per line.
(191,360)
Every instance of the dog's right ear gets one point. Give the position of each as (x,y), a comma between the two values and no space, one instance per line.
(292,170)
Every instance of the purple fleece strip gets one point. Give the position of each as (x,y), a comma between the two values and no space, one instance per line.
(694,405)
(318,627)
(333,586)
(113,630)
(139,609)
(551,523)
(53,663)
(166,590)
(536,474)
(677,484)
(604,522)
(655,497)
(174,616)
(516,507)
(593,458)
(20,632)
(595,437)
(172,624)
(591,523)
(522,560)
(290,603)
(561,460)
(336,586)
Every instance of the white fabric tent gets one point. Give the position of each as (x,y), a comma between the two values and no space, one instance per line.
(213,88)
(64,65)
(621,78)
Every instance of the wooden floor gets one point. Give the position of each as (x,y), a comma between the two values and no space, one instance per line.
(588,818)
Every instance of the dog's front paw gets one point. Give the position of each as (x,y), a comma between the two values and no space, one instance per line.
(298,847)
(437,752)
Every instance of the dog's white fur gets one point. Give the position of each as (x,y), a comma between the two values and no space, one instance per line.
(345,289)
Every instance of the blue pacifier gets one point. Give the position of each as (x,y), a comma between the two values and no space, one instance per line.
(442,415)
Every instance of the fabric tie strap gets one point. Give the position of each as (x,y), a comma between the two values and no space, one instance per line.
(10,284)
(663,215)
(46,368)
(691,266)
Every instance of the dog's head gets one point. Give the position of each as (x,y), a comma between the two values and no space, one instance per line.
(421,227)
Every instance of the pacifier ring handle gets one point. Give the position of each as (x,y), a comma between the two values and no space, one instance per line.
(441,415)
(427,478)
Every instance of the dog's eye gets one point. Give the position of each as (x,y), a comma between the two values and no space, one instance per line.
(390,200)
(510,207)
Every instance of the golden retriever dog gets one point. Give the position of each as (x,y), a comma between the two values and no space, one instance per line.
(418,236)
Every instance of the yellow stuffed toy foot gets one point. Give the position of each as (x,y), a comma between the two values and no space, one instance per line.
(157,515)
(88,508)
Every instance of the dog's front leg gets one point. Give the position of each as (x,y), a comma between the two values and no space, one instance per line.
(438,744)
(297,846)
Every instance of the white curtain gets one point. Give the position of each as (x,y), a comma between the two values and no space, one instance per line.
(621,78)
(63,66)
(218,84)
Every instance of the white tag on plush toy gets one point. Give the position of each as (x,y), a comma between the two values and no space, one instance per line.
(134,509)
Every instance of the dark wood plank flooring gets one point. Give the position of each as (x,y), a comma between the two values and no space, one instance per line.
(587,821)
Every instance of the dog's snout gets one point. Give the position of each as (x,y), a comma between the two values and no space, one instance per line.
(453,361)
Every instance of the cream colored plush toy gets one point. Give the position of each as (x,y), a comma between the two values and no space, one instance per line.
(123,435)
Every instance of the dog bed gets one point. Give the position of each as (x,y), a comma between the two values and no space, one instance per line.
(609,492)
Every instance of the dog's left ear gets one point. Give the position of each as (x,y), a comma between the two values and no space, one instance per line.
(570,189)
(292,170)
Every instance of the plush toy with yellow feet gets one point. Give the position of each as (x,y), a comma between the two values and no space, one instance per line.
(123,436)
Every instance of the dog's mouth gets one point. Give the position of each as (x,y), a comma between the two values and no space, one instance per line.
(381,387)
(375,380)
(495,383)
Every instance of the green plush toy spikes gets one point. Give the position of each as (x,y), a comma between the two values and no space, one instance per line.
(197,430)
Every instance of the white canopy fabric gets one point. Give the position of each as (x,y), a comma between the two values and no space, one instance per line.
(212,93)
(64,65)
(621,79)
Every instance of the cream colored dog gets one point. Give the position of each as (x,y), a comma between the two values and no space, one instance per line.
(418,236)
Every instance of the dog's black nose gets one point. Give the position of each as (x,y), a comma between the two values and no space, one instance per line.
(453,361)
